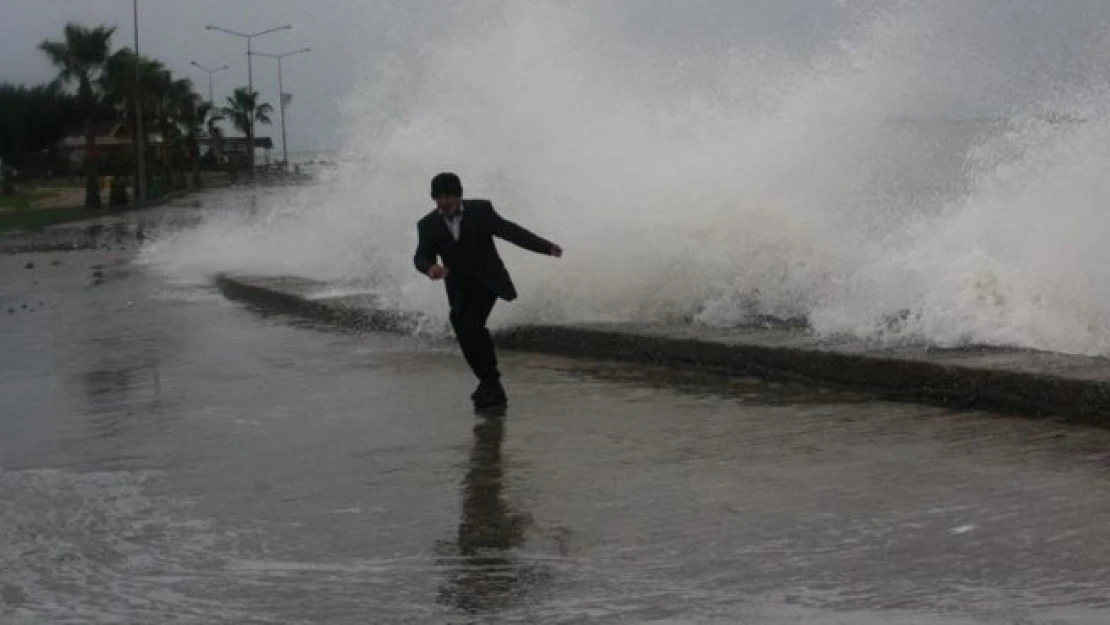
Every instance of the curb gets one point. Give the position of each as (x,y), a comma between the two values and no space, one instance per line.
(294,295)
(1013,381)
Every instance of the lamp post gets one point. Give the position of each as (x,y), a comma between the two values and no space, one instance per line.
(140,136)
(281,97)
(211,100)
(250,78)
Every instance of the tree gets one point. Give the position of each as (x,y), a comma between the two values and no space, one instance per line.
(32,120)
(80,59)
(238,110)
(170,105)
(215,133)
(176,95)
(122,92)
(198,120)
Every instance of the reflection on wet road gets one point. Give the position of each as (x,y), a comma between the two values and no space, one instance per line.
(481,576)
(169,457)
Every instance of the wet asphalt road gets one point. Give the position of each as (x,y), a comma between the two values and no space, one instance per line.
(169,457)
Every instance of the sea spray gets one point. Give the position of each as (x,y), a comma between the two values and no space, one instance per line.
(847,187)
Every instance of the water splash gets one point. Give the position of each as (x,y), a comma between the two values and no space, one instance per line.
(835,186)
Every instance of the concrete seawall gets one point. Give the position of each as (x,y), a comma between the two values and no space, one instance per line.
(1039,384)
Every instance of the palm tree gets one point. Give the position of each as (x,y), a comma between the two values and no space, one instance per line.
(198,120)
(239,108)
(162,102)
(170,105)
(179,97)
(214,132)
(121,91)
(80,59)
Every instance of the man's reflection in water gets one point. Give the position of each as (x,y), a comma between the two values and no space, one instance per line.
(484,576)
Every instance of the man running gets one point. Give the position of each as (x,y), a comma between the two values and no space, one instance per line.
(460,233)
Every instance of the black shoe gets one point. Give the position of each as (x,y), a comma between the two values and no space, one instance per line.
(489,394)
(486,387)
(499,393)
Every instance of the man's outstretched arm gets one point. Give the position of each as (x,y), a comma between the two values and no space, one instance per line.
(518,235)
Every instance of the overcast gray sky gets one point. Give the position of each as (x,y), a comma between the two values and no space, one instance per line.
(173,31)
(1001,50)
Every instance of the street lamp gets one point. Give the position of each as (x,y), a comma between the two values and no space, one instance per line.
(211,100)
(250,77)
(140,149)
(281,96)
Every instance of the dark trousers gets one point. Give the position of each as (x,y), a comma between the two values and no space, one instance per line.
(471,304)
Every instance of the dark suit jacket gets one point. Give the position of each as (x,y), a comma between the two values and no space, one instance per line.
(473,257)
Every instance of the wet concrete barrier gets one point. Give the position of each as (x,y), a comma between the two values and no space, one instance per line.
(1024,382)
(311,299)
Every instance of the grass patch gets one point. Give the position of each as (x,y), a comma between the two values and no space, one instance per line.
(24,200)
(57,184)
(40,218)
(35,218)
(15,202)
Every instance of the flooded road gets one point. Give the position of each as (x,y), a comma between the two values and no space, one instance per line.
(167,456)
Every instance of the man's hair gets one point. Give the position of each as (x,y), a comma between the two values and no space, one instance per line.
(446,183)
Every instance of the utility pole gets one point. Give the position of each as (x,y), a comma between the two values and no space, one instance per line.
(211,99)
(281,97)
(140,135)
(250,79)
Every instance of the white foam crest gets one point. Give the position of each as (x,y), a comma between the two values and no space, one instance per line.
(1019,261)
(667,206)
(758,184)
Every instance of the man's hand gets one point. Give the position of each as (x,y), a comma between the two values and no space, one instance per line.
(556,251)
(437,272)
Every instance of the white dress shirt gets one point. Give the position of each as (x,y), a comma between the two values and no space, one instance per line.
(454,221)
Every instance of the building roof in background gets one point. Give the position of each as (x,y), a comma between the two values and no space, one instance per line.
(107,134)
(266,143)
